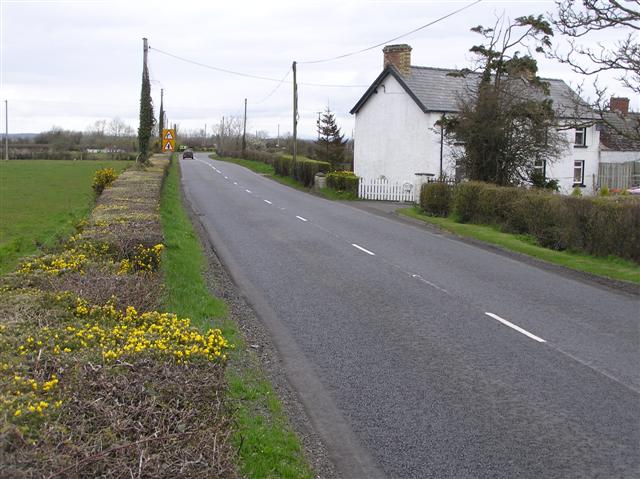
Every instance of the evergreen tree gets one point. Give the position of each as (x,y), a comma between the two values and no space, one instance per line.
(147,120)
(331,143)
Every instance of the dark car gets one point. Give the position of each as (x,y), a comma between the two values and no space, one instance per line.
(187,154)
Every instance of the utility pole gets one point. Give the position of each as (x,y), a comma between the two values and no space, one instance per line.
(295,113)
(278,140)
(6,129)
(244,132)
(204,142)
(222,135)
(161,120)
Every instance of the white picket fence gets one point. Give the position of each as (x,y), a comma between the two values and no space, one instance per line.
(382,189)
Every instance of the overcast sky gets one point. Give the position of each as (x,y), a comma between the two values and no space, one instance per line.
(70,63)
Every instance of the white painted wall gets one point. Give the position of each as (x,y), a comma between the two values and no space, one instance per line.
(393,137)
(562,168)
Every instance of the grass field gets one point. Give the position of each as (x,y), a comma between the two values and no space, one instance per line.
(267,446)
(614,268)
(41,201)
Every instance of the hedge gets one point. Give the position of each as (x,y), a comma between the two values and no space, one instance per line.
(435,198)
(343,181)
(599,226)
(303,170)
(255,155)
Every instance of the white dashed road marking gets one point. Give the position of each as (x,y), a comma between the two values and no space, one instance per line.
(302,219)
(248,191)
(268,202)
(363,249)
(517,328)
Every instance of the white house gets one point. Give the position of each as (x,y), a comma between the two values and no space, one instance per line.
(396,136)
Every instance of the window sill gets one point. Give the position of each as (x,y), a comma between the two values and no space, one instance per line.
(580,146)
(579,185)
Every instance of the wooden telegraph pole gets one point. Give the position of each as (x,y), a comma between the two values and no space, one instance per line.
(295,113)
(244,132)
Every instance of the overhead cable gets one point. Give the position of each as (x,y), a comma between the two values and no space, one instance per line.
(249,75)
(345,55)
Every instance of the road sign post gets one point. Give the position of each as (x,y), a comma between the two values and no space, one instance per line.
(168,139)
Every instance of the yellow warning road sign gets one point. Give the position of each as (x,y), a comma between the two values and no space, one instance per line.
(168,139)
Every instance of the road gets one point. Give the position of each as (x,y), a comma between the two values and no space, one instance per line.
(420,356)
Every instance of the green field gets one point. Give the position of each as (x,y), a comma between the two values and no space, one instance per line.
(41,201)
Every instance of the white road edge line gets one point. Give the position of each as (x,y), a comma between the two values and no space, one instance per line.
(363,249)
(517,328)
(268,202)
(302,219)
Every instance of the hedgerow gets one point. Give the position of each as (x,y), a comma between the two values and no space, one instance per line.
(601,226)
(94,380)
(343,181)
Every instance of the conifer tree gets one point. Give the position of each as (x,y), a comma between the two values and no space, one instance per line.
(330,143)
(146,116)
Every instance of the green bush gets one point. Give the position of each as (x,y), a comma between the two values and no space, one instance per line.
(465,201)
(283,166)
(305,170)
(103,178)
(435,198)
(343,181)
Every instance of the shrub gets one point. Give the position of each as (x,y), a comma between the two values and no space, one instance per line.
(103,178)
(435,198)
(282,166)
(577,191)
(604,191)
(496,205)
(305,170)
(343,181)
(465,201)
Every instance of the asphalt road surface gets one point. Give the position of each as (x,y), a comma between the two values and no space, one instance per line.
(419,356)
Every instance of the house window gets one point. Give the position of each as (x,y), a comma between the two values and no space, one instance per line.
(581,137)
(578,173)
(540,168)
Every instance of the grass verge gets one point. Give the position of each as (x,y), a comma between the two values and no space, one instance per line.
(42,201)
(614,268)
(268,447)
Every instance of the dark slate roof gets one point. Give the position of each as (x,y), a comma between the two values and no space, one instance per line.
(618,132)
(435,90)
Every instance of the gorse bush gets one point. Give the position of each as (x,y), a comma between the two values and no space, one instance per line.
(435,198)
(103,178)
(343,181)
(601,226)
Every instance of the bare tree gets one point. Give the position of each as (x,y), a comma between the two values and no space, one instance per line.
(585,21)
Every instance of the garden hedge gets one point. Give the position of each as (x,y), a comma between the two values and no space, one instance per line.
(601,226)
(343,181)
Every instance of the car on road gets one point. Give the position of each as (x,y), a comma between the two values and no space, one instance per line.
(634,190)
(187,154)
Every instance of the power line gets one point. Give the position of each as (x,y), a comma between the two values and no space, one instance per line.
(275,89)
(345,55)
(249,75)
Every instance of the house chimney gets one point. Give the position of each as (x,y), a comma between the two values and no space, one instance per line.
(399,56)
(621,105)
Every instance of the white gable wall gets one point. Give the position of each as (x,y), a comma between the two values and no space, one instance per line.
(393,136)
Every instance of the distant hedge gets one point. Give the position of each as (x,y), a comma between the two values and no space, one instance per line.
(71,155)
(601,226)
(343,181)
(255,155)
(303,170)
